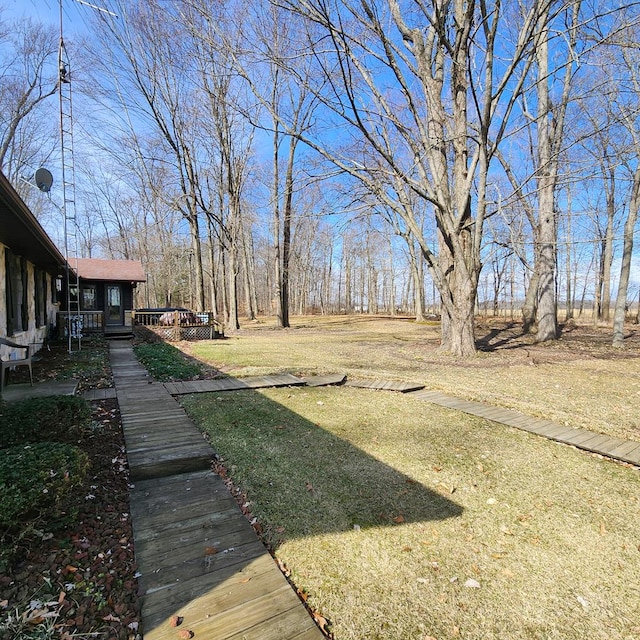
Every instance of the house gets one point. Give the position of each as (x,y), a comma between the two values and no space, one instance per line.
(104,292)
(33,297)
(31,269)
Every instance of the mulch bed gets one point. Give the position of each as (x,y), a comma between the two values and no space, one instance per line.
(82,580)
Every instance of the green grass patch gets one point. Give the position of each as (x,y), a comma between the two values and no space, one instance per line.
(37,484)
(404,520)
(52,419)
(164,362)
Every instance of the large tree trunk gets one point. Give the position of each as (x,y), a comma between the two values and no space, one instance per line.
(547,306)
(607,256)
(625,267)
(196,246)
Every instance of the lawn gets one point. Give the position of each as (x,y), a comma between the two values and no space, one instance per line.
(404,520)
(578,381)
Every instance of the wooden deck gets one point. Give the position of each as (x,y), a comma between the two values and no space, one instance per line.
(197,554)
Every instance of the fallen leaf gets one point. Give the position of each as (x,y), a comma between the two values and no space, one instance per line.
(399,519)
(210,551)
(321,621)
(111,618)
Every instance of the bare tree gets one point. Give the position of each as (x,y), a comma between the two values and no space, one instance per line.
(630,117)
(418,88)
(150,75)
(29,77)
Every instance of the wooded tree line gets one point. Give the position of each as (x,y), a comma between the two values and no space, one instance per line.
(349,155)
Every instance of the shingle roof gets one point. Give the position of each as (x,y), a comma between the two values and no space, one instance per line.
(115,270)
(22,233)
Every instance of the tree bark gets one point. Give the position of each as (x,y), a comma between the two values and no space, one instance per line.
(625,267)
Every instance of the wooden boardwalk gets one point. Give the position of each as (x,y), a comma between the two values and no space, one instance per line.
(232,384)
(197,554)
(624,450)
(385,385)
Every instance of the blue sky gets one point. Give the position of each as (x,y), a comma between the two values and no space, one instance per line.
(48,11)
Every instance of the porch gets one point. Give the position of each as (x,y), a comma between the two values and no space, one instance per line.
(170,325)
(83,322)
(178,324)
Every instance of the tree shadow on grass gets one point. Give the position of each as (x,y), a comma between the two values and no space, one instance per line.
(304,479)
(509,336)
(199,559)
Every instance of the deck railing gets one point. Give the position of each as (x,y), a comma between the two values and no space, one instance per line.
(79,322)
(180,324)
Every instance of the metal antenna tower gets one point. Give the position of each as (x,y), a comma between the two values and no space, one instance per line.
(74,319)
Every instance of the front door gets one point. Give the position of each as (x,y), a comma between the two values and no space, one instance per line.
(114,311)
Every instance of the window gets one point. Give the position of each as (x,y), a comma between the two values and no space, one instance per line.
(89,297)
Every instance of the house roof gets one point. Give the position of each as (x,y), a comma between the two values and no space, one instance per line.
(22,233)
(112,270)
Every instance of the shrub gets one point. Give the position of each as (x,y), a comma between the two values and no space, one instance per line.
(36,486)
(50,419)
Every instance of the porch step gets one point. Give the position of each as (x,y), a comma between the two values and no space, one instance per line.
(118,336)
(118,333)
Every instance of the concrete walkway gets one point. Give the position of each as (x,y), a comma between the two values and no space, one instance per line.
(197,554)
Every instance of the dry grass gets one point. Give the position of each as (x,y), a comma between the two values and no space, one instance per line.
(407,521)
(579,380)
(404,520)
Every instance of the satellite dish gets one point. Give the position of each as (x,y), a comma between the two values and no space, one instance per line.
(44,179)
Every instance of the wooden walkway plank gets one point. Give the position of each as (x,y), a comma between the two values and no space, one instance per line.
(611,445)
(324,381)
(633,457)
(624,450)
(197,554)
(385,385)
(232,384)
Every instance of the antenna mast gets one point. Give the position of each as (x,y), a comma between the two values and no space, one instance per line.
(74,320)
